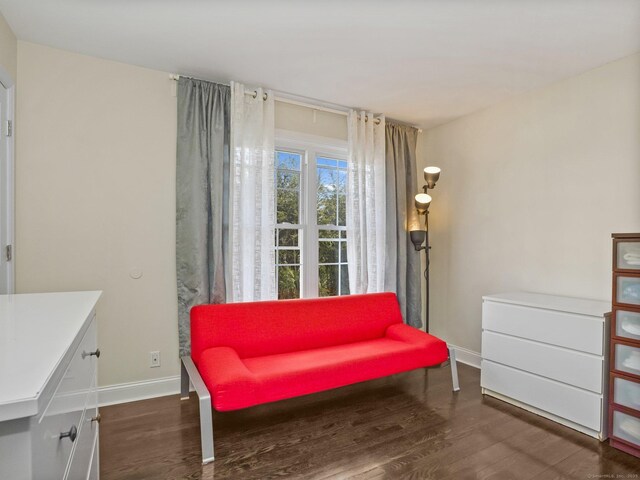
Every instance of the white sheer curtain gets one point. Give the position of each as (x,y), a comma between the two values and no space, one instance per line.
(366,203)
(252,195)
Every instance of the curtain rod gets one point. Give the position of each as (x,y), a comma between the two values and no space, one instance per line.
(304,102)
(254,94)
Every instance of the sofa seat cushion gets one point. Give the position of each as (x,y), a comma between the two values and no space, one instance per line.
(238,383)
(300,373)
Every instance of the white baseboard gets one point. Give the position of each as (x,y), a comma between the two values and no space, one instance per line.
(468,357)
(133,391)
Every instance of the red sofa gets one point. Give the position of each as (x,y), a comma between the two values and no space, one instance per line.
(246,354)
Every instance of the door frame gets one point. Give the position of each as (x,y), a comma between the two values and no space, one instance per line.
(8,83)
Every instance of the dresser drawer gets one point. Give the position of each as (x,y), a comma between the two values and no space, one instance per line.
(626,358)
(571,403)
(81,460)
(578,332)
(625,392)
(568,366)
(94,469)
(625,427)
(64,412)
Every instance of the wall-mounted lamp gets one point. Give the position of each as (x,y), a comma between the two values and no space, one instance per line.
(420,238)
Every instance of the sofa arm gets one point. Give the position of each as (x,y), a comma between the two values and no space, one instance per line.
(404,333)
(225,374)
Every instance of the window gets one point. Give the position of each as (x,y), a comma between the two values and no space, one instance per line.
(311,237)
(288,250)
(333,275)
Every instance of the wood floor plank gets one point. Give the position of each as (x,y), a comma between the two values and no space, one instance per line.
(409,426)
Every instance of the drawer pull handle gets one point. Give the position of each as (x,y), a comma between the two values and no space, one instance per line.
(71,434)
(96,419)
(96,353)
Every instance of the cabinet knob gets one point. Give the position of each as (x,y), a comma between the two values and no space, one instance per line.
(96,419)
(71,434)
(96,353)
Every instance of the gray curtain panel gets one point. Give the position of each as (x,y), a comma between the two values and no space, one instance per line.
(202,197)
(403,262)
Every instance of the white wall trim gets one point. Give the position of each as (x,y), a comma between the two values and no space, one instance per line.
(133,391)
(466,356)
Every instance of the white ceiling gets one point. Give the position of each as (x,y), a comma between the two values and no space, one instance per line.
(424,62)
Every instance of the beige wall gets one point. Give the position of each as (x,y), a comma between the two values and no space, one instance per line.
(95,188)
(8,48)
(530,193)
(95,199)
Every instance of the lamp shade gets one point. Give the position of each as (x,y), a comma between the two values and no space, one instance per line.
(417,238)
(422,202)
(431,175)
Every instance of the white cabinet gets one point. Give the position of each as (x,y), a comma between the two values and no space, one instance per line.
(549,355)
(48,400)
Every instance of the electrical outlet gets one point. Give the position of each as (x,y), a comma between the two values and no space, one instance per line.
(154,359)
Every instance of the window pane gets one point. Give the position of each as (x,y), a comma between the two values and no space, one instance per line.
(343,252)
(344,280)
(288,160)
(342,210)
(328,280)
(327,252)
(287,206)
(327,197)
(330,162)
(288,237)
(328,233)
(288,261)
(288,282)
(342,181)
(328,177)
(287,179)
(288,256)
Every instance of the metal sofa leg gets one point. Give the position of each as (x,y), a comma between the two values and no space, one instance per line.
(184,382)
(206,415)
(206,430)
(454,370)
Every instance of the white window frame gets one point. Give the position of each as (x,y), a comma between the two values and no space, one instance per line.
(311,147)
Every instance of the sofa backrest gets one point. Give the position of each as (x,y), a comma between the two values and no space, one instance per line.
(254,329)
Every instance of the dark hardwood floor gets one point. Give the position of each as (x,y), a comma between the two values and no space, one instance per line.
(406,426)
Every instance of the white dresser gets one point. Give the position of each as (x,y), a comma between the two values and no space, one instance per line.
(48,399)
(549,355)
